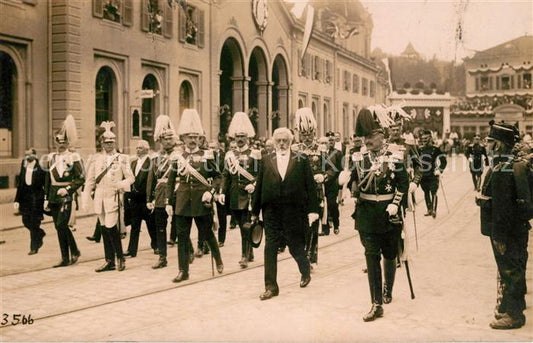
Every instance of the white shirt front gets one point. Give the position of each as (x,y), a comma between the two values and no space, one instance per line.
(283,163)
(140,163)
(29,172)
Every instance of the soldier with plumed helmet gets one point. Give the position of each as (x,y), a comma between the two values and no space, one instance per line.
(191,192)
(241,168)
(380,183)
(157,191)
(63,178)
(109,175)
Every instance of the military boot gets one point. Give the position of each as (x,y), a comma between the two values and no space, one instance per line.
(389,268)
(161,263)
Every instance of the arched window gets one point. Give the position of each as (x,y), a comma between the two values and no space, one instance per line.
(300,103)
(150,106)
(326,119)
(104,95)
(8,103)
(186,96)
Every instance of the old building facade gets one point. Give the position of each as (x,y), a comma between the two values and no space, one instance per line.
(131,60)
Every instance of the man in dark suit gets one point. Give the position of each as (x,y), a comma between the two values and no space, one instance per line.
(137,200)
(334,160)
(30,198)
(286,193)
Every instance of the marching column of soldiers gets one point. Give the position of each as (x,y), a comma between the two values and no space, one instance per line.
(288,190)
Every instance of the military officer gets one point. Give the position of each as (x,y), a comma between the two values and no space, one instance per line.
(323,171)
(242,166)
(334,158)
(505,207)
(157,192)
(477,157)
(432,164)
(65,175)
(381,182)
(191,192)
(109,176)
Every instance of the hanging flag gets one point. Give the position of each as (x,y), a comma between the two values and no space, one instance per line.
(308,29)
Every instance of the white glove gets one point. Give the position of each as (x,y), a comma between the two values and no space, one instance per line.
(207,196)
(150,206)
(470,159)
(392,209)
(16,206)
(312,217)
(250,188)
(436,172)
(344,177)
(45,205)
(62,192)
(222,199)
(169,210)
(319,178)
(412,187)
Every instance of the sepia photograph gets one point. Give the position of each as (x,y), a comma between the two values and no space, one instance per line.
(266,170)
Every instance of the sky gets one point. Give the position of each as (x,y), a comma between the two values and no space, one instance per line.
(431,25)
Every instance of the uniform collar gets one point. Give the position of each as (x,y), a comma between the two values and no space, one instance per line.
(195,150)
(244,148)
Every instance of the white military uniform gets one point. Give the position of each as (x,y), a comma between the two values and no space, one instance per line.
(117,180)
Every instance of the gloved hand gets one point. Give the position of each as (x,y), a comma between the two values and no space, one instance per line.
(150,206)
(392,209)
(412,187)
(62,192)
(222,199)
(344,177)
(319,178)
(207,197)
(169,210)
(312,217)
(253,219)
(437,172)
(45,205)
(470,159)
(16,206)
(250,188)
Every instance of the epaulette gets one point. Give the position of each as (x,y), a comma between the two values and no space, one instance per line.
(395,152)
(75,157)
(229,155)
(174,155)
(255,154)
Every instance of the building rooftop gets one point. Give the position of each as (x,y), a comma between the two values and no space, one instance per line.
(521,46)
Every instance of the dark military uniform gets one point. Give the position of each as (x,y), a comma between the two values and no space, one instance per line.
(238,198)
(157,191)
(475,153)
(334,160)
(504,219)
(186,193)
(319,165)
(428,156)
(380,181)
(65,171)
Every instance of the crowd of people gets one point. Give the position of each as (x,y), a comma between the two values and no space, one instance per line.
(289,186)
(487,104)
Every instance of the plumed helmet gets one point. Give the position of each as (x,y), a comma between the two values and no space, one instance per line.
(373,119)
(304,120)
(190,122)
(241,124)
(67,132)
(163,128)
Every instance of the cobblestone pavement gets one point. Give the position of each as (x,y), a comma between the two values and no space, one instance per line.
(453,272)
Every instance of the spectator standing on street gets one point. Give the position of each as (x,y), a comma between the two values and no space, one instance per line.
(506,208)
(63,178)
(29,198)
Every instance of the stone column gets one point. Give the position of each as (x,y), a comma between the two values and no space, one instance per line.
(283,103)
(240,92)
(263,95)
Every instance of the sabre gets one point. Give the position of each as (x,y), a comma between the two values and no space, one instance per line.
(444,194)
(412,208)
(409,278)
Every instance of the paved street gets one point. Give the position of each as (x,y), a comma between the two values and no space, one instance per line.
(453,272)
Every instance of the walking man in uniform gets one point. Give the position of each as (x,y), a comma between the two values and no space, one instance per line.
(242,166)
(190,183)
(477,156)
(64,177)
(109,176)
